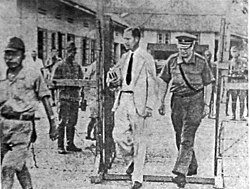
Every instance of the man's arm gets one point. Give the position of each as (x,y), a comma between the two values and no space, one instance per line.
(152,83)
(163,89)
(53,132)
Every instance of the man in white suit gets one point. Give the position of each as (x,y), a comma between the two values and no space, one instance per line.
(136,74)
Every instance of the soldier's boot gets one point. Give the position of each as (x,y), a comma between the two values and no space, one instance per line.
(24,178)
(60,141)
(70,131)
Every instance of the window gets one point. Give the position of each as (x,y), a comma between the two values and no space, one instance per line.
(61,44)
(70,20)
(163,38)
(70,37)
(167,38)
(53,40)
(42,11)
(160,38)
(42,43)
(92,51)
(86,24)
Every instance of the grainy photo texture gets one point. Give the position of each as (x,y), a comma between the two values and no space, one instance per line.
(124,94)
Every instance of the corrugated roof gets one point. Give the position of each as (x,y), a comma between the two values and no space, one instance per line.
(116,18)
(194,23)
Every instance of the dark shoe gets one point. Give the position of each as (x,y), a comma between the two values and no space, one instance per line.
(242,118)
(192,172)
(180,180)
(73,148)
(130,169)
(61,150)
(136,185)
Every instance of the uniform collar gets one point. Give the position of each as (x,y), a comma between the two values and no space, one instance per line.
(191,60)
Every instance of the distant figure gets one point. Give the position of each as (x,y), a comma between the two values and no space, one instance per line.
(92,104)
(237,73)
(69,97)
(50,67)
(21,87)
(38,62)
(52,60)
(213,67)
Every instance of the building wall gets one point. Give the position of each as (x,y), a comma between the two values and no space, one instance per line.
(204,39)
(9,24)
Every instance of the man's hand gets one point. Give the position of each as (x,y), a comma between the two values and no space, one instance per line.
(162,109)
(113,77)
(148,112)
(53,131)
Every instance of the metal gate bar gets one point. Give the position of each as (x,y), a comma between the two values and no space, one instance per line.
(154,178)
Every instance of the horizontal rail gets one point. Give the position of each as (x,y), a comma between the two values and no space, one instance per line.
(71,83)
(154,178)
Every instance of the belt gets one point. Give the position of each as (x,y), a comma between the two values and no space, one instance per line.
(24,117)
(189,94)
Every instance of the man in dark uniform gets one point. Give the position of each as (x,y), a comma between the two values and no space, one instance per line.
(20,89)
(191,78)
(68,99)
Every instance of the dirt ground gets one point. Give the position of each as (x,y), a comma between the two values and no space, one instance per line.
(73,171)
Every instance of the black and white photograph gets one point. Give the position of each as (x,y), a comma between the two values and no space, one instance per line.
(124,94)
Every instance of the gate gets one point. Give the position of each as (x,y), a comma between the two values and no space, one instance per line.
(105,145)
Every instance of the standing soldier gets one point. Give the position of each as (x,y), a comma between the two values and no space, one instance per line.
(237,74)
(68,99)
(191,78)
(133,107)
(20,89)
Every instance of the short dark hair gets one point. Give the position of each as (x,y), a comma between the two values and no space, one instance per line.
(136,32)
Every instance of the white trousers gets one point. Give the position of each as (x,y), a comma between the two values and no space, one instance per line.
(130,135)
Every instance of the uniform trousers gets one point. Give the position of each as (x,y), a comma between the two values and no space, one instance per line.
(242,95)
(186,117)
(130,135)
(68,114)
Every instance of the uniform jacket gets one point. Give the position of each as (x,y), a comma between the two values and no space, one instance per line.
(144,80)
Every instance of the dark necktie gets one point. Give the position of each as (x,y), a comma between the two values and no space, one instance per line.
(129,72)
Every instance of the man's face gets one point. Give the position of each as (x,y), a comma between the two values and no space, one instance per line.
(33,54)
(72,53)
(13,59)
(208,56)
(130,42)
(235,53)
(185,52)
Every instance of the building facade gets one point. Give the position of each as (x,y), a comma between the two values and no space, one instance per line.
(48,24)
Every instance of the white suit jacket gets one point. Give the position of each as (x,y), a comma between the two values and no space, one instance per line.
(144,80)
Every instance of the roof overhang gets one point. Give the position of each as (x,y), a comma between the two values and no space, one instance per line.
(79,7)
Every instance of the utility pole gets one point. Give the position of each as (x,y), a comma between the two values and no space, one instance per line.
(99,161)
